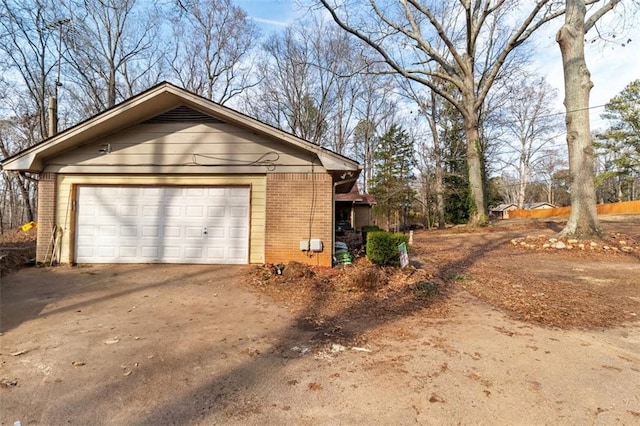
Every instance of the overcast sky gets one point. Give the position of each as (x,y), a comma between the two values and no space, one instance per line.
(612,66)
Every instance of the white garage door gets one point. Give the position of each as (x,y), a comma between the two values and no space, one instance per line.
(137,224)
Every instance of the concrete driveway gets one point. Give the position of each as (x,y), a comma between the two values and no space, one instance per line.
(182,344)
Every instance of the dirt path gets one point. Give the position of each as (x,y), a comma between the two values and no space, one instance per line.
(158,344)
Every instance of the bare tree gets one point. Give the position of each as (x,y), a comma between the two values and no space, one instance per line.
(530,125)
(550,163)
(28,58)
(17,202)
(477,39)
(373,106)
(287,96)
(583,220)
(429,106)
(214,41)
(112,50)
(310,84)
(27,61)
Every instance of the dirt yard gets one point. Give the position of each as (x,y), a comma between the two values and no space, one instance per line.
(488,327)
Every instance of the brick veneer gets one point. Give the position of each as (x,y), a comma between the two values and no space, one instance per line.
(292,213)
(46,215)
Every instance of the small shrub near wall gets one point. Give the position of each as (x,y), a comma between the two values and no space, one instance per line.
(382,247)
(366,229)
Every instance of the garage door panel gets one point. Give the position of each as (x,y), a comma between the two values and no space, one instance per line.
(193,232)
(215,212)
(194,212)
(162,224)
(128,252)
(239,233)
(171,252)
(235,253)
(86,252)
(172,231)
(149,252)
(239,212)
(193,253)
(128,210)
(215,232)
(150,211)
(173,192)
(173,211)
(237,192)
(197,192)
(218,192)
(106,230)
(84,231)
(128,231)
(146,191)
(106,251)
(215,254)
(150,231)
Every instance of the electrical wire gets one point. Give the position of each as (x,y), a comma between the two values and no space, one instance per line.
(263,160)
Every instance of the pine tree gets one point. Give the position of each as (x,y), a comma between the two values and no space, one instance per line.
(619,146)
(393,160)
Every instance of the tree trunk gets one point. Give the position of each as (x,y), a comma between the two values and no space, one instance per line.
(24,191)
(583,220)
(437,153)
(439,185)
(522,187)
(111,87)
(478,214)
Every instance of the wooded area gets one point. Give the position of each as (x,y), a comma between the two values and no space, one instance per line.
(437,100)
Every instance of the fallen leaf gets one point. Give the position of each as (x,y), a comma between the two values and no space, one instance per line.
(435,398)
(314,386)
(7,383)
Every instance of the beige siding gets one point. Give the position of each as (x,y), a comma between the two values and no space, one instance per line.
(257,183)
(183,148)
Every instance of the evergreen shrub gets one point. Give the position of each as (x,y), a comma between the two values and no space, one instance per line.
(366,229)
(382,247)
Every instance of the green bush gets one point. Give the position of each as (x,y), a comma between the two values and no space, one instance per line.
(382,247)
(366,229)
(370,228)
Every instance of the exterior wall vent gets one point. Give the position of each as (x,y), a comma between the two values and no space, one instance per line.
(183,114)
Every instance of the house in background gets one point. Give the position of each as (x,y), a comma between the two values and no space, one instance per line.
(538,206)
(501,211)
(171,177)
(354,209)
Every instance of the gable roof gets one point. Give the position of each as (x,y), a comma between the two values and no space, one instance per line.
(533,206)
(503,207)
(153,102)
(356,197)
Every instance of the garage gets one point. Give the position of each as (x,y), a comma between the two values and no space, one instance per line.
(170,177)
(174,224)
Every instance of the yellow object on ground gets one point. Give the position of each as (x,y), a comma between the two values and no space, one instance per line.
(28,226)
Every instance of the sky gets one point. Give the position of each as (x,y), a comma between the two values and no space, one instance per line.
(612,66)
(270,15)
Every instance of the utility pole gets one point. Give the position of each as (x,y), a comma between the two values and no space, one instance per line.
(53,100)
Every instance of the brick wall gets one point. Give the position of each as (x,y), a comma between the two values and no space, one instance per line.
(293,209)
(46,215)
